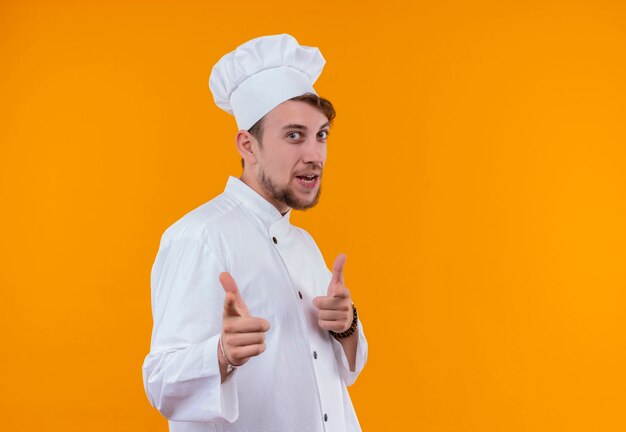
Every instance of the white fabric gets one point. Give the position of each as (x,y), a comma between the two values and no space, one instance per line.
(283,389)
(261,74)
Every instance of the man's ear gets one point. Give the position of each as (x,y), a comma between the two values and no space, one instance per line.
(247,145)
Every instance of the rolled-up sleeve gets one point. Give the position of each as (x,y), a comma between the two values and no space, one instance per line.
(348,376)
(181,373)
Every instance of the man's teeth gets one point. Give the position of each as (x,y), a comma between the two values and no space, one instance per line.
(308,178)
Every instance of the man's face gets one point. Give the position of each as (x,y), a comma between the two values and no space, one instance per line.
(292,155)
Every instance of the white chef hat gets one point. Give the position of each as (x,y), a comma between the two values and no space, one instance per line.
(263,73)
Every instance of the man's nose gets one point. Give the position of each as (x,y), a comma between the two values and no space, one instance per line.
(314,151)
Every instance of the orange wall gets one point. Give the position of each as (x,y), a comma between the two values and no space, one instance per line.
(476,180)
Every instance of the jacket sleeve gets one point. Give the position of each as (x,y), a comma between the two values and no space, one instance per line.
(181,373)
(347,375)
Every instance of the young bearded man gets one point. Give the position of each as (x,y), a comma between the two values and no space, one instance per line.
(252,332)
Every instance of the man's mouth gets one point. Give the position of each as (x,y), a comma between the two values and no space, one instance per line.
(308,181)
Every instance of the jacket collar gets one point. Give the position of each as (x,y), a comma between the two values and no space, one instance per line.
(251,200)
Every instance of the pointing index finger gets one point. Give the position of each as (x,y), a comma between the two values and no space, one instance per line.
(340,261)
(232,292)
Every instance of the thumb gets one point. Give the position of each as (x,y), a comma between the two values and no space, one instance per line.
(336,283)
(233,304)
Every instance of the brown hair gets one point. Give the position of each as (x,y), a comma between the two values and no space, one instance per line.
(323,105)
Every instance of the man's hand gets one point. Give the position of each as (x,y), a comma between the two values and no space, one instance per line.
(243,336)
(335,308)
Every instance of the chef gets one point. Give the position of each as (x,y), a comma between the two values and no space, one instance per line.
(252,332)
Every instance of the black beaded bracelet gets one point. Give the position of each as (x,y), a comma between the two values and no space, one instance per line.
(348,332)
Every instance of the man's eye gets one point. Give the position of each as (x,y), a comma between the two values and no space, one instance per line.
(322,134)
(294,135)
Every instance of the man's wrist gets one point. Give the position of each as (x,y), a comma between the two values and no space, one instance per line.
(222,359)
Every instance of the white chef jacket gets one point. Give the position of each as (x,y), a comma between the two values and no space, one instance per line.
(299,382)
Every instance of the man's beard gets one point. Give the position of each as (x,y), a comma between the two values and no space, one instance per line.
(286,195)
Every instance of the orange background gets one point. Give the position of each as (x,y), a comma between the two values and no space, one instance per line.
(476,180)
